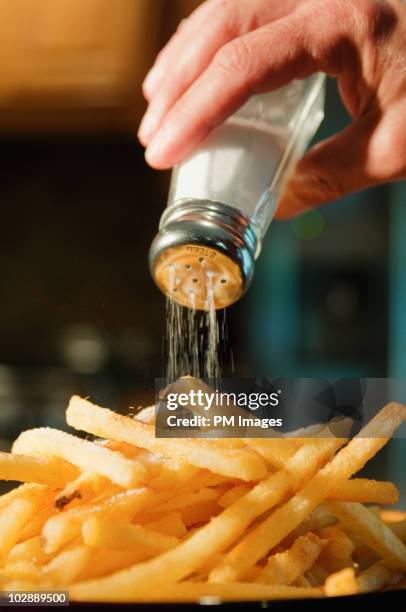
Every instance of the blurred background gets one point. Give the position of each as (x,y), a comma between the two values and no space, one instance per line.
(78,310)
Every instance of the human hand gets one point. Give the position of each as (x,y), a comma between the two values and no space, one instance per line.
(228,50)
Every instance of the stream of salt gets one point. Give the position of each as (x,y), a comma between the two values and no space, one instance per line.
(195,341)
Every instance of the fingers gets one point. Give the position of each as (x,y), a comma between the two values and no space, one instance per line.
(259,61)
(193,47)
(179,42)
(187,55)
(332,169)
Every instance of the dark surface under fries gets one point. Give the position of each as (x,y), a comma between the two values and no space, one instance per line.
(395,601)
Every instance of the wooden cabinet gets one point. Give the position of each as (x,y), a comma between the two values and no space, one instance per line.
(67,63)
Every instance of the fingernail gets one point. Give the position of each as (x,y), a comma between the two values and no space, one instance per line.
(148,126)
(155,147)
(151,81)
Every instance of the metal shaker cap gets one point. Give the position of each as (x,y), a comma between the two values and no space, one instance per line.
(203,255)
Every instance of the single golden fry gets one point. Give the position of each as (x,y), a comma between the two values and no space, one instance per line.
(169,524)
(22,570)
(103,533)
(128,450)
(146,415)
(392,516)
(50,471)
(107,561)
(19,492)
(341,583)
(29,549)
(86,455)
(232,495)
(366,491)
(357,489)
(68,567)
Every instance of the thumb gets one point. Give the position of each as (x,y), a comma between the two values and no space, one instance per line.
(330,170)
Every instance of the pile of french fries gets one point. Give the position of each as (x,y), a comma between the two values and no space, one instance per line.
(127,517)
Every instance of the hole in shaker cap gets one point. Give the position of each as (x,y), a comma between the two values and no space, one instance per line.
(223,280)
(195,280)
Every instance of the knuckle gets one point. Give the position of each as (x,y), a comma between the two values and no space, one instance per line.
(235,57)
(223,5)
(222,10)
(367,19)
(184,108)
(187,117)
(185,112)
(377,17)
(327,185)
(225,18)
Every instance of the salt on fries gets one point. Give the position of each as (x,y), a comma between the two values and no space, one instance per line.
(133,518)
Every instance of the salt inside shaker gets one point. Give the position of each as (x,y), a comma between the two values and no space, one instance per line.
(223,197)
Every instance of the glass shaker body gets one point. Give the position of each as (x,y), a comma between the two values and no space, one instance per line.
(224,195)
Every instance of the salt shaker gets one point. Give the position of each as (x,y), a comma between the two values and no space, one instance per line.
(223,197)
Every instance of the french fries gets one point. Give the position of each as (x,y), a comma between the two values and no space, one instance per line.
(64,527)
(338,550)
(132,518)
(17,514)
(399,529)
(375,533)
(102,533)
(366,492)
(342,582)
(273,529)
(377,576)
(42,470)
(82,453)
(235,463)
(287,567)
(169,524)
(29,549)
(35,526)
(205,593)
(83,488)
(276,451)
